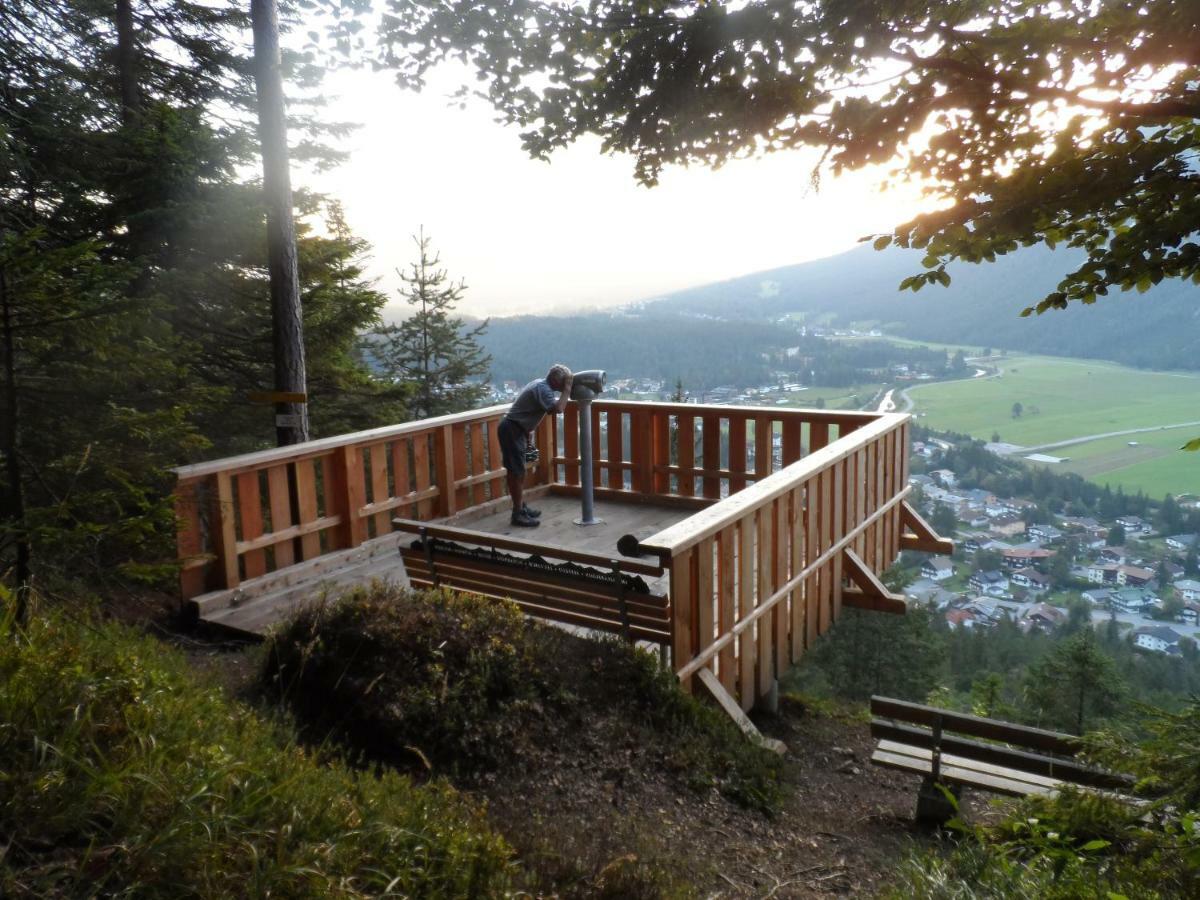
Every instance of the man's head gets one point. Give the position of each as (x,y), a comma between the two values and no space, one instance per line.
(557,376)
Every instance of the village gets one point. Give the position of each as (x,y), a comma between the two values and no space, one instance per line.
(1034,575)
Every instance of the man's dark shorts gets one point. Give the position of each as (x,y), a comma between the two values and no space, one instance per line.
(512,446)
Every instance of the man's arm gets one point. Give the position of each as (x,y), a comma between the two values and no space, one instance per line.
(566,393)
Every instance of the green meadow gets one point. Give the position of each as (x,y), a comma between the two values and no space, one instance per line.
(1069,398)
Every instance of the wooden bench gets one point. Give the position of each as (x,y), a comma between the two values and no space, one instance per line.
(959,750)
(569,586)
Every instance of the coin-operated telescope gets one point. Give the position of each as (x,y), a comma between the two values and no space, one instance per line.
(584,388)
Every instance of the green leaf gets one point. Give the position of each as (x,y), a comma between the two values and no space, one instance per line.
(1095,845)
(1192,446)
(884,240)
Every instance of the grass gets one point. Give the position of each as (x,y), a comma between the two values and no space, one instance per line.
(1155,466)
(120,775)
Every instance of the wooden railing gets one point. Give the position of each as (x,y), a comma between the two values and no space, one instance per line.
(790,503)
(756,578)
(247,516)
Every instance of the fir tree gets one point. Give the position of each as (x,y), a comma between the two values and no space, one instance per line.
(434,350)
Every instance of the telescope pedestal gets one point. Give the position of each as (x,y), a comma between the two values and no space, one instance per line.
(586,486)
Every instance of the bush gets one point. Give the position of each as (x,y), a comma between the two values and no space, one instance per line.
(462,683)
(121,775)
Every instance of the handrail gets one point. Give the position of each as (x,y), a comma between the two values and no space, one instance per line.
(322,445)
(827,416)
(704,524)
(706,656)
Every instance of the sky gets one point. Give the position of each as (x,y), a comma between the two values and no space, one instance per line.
(577,232)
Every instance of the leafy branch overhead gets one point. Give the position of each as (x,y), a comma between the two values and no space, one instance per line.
(1074,122)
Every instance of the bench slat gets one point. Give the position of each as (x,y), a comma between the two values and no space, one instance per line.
(956,770)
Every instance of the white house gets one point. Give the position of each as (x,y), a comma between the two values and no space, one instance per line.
(1188,589)
(1158,638)
(1181,541)
(1031,579)
(1190,614)
(1134,525)
(938,568)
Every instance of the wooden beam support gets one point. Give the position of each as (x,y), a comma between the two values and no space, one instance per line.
(709,679)
(871,593)
(922,536)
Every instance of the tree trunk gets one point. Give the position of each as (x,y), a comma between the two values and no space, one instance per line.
(126,61)
(14,511)
(291,422)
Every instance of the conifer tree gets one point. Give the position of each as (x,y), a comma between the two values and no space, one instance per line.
(433,350)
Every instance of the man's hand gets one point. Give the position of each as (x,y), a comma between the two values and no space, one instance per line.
(563,397)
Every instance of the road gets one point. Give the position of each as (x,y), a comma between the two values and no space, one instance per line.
(1107,434)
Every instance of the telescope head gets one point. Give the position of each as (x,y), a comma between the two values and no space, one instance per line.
(588,383)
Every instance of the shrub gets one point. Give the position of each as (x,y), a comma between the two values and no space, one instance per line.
(462,682)
(121,775)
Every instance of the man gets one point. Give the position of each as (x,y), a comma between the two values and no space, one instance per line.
(518,426)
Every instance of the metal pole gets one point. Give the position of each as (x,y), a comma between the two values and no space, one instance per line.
(586,487)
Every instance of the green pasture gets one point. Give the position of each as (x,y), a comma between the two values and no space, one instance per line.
(1154,466)
(1060,399)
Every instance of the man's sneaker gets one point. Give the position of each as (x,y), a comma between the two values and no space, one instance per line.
(531,512)
(521,520)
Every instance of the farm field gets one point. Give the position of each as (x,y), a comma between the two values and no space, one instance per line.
(1067,398)
(1154,466)
(1060,399)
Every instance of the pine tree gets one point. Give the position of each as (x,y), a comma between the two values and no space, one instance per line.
(434,350)
(1075,685)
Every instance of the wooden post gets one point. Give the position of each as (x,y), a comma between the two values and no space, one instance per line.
(223,529)
(443,463)
(682,588)
(349,493)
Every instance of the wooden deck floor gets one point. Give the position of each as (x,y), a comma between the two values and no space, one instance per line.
(256,605)
(558,528)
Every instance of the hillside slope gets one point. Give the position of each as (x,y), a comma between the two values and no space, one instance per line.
(1158,329)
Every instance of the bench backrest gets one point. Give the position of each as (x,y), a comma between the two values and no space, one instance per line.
(1021,747)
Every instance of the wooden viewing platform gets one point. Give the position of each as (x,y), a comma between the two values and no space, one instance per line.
(756,525)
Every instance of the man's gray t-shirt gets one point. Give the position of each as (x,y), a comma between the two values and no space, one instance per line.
(535,400)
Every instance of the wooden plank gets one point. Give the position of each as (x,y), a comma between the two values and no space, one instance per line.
(478,492)
(251,512)
(547,441)
(348,493)
(443,466)
(828,536)
(685,441)
(799,624)
(401,475)
(223,525)
(765,564)
(727,604)
(379,486)
(839,526)
(682,600)
(660,452)
(571,442)
(871,589)
(189,540)
(458,443)
(640,441)
(307,508)
(710,450)
(616,449)
(955,773)
(812,534)
(731,708)
(781,553)
(737,453)
(791,440)
(764,456)
(818,436)
(976,726)
(705,583)
(423,476)
(747,656)
(279,502)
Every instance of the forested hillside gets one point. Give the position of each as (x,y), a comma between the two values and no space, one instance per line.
(982,305)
